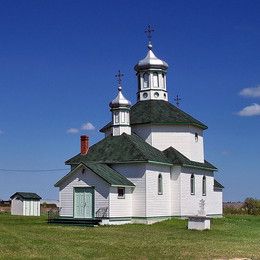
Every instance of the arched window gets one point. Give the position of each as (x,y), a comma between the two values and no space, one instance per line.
(204,185)
(196,137)
(192,184)
(146,80)
(163,79)
(160,185)
(155,80)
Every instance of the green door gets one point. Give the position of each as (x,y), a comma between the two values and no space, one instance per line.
(83,202)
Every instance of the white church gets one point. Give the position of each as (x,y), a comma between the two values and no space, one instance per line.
(149,166)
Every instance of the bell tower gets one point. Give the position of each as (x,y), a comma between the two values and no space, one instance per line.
(120,108)
(151,74)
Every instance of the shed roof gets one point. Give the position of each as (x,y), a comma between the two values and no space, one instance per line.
(105,172)
(26,195)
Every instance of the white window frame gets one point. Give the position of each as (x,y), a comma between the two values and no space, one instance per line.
(192,184)
(119,196)
(160,184)
(204,186)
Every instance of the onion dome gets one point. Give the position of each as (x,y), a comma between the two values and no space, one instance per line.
(120,100)
(150,61)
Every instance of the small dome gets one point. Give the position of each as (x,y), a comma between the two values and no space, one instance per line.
(120,100)
(151,61)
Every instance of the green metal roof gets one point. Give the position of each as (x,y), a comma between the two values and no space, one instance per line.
(178,158)
(159,112)
(26,195)
(121,149)
(105,172)
(218,185)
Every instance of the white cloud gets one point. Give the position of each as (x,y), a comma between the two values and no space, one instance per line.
(253,110)
(72,131)
(250,92)
(87,126)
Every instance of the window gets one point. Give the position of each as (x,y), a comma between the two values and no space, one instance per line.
(160,185)
(155,80)
(163,79)
(196,137)
(123,117)
(121,193)
(116,117)
(204,186)
(192,184)
(146,80)
(156,94)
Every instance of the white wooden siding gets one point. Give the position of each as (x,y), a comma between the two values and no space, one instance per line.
(16,207)
(136,174)
(180,137)
(190,203)
(120,207)
(158,204)
(86,179)
(175,191)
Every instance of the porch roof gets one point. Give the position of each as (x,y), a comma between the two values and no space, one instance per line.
(105,172)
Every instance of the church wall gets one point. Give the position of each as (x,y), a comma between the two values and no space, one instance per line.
(158,204)
(175,191)
(120,207)
(136,174)
(180,137)
(87,179)
(190,204)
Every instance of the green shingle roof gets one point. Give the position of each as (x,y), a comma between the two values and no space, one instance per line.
(159,112)
(218,185)
(178,158)
(105,172)
(120,149)
(26,195)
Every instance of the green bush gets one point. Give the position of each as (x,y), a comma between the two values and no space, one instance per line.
(252,206)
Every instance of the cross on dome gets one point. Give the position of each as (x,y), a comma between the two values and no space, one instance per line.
(148,31)
(177,99)
(119,76)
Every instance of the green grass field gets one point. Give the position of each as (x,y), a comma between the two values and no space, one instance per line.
(32,237)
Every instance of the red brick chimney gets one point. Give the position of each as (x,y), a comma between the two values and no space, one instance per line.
(84,144)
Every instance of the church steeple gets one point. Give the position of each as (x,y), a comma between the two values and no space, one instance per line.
(151,74)
(120,108)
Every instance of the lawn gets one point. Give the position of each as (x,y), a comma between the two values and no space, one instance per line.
(32,237)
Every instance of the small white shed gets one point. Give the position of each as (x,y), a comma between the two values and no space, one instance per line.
(25,204)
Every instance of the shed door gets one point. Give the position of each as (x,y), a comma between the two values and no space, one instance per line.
(83,202)
(27,207)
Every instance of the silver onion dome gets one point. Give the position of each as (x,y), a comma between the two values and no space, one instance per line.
(150,61)
(120,100)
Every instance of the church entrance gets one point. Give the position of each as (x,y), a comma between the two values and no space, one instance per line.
(84,202)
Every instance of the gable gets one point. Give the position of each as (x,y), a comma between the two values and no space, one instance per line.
(106,173)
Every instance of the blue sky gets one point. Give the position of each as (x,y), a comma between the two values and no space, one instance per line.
(57,65)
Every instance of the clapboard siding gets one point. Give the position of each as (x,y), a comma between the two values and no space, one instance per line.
(190,204)
(120,207)
(175,191)
(158,204)
(16,206)
(86,179)
(180,137)
(136,174)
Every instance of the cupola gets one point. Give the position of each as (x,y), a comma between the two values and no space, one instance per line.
(120,108)
(151,75)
